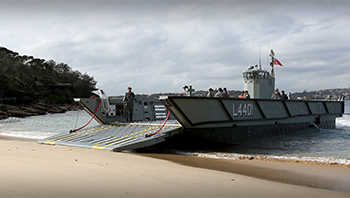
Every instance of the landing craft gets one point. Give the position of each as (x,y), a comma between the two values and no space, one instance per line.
(226,120)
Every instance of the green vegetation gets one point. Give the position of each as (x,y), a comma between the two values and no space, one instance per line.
(25,79)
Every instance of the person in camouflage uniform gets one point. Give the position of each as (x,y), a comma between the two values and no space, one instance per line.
(128,103)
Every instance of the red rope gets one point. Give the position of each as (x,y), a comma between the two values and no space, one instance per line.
(98,105)
(149,135)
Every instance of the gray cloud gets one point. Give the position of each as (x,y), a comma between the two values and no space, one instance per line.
(159,46)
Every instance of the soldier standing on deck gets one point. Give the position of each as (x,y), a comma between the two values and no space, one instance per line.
(276,95)
(211,93)
(128,103)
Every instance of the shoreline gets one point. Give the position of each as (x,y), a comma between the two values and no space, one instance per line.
(58,163)
(311,161)
(238,158)
(315,175)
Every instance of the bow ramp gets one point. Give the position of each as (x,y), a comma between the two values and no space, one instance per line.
(118,137)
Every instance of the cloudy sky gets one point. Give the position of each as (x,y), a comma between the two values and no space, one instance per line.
(159,46)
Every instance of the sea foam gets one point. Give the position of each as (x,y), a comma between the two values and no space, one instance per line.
(307,160)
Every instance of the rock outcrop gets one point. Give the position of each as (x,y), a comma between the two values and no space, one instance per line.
(34,109)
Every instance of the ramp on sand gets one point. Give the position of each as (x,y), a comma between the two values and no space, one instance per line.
(117,137)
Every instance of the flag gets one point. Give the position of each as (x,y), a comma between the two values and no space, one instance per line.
(277,62)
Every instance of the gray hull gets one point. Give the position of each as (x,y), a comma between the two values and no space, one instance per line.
(234,120)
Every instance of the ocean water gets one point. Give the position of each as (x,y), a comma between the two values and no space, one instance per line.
(40,127)
(325,145)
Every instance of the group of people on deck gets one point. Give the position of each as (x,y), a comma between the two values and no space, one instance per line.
(222,93)
(244,94)
(279,96)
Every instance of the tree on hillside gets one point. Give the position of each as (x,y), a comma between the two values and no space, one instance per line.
(35,78)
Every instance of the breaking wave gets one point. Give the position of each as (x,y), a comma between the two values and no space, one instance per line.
(305,160)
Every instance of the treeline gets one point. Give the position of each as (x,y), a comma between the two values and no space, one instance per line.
(25,79)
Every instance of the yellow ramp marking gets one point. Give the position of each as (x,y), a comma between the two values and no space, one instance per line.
(49,143)
(97,146)
(122,139)
(72,135)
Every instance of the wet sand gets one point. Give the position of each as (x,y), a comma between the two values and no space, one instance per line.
(29,169)
(323,175)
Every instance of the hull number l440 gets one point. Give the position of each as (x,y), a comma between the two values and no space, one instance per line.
(240,110)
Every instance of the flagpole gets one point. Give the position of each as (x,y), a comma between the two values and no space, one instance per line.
(268,47)
(272,63)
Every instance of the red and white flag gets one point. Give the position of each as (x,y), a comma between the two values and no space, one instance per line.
(277,62)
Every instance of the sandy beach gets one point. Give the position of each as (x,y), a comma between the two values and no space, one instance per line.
(29,169)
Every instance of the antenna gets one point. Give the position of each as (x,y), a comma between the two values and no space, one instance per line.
(268,48)
(260,57)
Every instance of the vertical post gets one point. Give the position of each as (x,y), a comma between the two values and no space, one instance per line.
(190,90)
(272,64)
(260,58)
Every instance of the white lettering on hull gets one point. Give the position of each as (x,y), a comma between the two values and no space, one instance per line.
(241,110)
